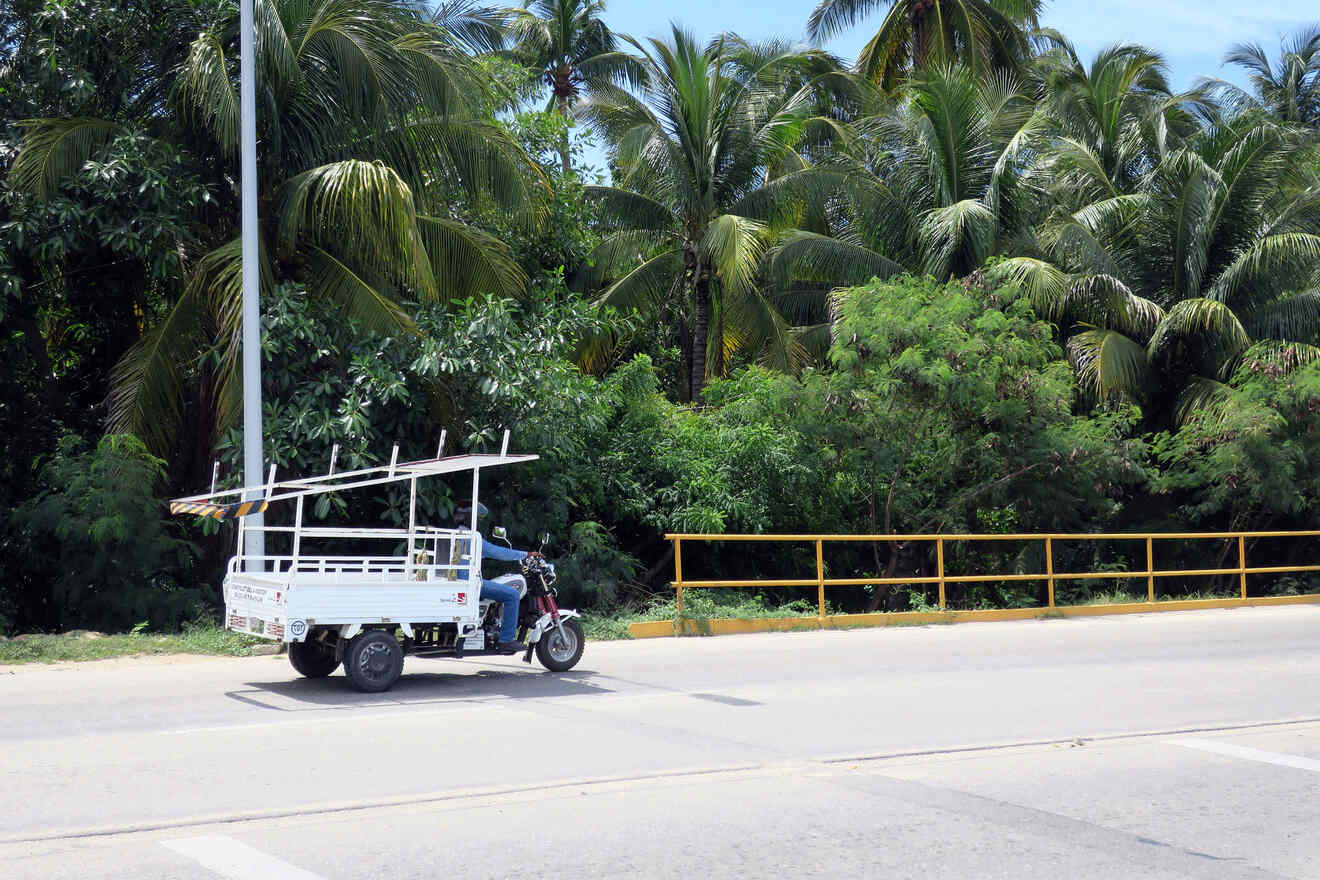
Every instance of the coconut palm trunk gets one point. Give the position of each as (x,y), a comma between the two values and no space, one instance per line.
(700,331)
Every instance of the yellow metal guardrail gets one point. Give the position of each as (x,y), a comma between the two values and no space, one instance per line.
(941,578)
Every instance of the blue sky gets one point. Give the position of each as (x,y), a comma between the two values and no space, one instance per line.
(1192,36)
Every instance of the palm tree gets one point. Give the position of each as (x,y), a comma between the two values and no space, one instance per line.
(982,34)
(1109,124)
(1215,256)
(366,130)
(1290,91)
(936,186)
(569,43)
(706,173)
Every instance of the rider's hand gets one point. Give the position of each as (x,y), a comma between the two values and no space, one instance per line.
(534,554)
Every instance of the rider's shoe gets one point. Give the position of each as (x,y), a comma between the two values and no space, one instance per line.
(513,647)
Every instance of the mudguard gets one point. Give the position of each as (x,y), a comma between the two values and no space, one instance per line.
(546,623)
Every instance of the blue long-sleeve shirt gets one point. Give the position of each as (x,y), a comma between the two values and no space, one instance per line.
(491,550)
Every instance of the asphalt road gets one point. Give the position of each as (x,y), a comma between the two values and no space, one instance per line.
(1148,746)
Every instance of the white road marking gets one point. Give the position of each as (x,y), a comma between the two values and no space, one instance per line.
(1248,754)
(235,860)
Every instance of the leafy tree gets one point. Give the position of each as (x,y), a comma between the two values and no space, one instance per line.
(78,270)
(1248,465)
(568,42)
(369,115)
(982,34)
(100,551)
(947,408)
(706,170)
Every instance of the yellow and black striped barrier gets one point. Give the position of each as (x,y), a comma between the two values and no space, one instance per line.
(217,511)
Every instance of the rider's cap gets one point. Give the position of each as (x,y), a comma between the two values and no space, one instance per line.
(464,510)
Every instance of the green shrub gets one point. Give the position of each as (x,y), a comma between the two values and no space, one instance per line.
(99,548)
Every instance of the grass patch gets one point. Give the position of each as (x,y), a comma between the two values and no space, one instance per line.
(698,605)
(1116,597)
(80,645)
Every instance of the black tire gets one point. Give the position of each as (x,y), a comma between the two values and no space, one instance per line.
(312,659)
(374,661)
(561,652)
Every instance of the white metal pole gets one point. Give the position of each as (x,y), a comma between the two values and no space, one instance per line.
(252,435)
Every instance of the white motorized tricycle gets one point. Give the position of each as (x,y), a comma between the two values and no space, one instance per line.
(368,611)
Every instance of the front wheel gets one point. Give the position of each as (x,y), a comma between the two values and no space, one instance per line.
(560,647)
(312,659)
(374,661)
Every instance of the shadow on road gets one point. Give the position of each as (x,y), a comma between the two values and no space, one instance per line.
(300,694)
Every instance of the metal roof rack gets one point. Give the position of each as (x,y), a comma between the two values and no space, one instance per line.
(212,504)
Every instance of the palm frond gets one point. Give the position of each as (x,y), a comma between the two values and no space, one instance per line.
(355,295)
(1274,357)
(362,208)
(735,246)
(629,208)
(762,331)
(619,253)
(1210,327)
(810,256)
(478,157)
(1045,285)
(650,284)
(1202,398)
(1109,364)
(1284,256)
(146,385)
(468,262)
(958,238)
(205,92)
(1105,301)
(52,149)
(1294,316)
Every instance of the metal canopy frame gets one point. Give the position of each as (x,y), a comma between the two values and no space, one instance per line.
(299,489)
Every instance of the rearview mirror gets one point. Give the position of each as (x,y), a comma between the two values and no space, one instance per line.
(500,532)
(545,538)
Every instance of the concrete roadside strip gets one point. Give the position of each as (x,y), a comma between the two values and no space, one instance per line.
(738,626)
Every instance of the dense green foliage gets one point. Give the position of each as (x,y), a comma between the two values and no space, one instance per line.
(94,544)
(970,283)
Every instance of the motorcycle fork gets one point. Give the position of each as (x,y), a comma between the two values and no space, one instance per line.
(548,605)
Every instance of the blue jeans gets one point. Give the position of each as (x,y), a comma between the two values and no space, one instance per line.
(508,594)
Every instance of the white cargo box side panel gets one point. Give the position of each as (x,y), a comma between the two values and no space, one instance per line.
(376,602)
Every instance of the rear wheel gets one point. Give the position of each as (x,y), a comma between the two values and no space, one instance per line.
(560,647)
(312,659)
(374,661)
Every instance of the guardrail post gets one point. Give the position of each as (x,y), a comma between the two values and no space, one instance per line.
(820,578)
(678,573)
(1150,569)
(939,568)
(1242,563)
(1049,569)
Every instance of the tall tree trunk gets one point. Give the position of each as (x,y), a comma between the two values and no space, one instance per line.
(565,158)
(684,361)
(716,320)
(700,331)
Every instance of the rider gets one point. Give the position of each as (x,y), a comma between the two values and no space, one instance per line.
(506,594)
